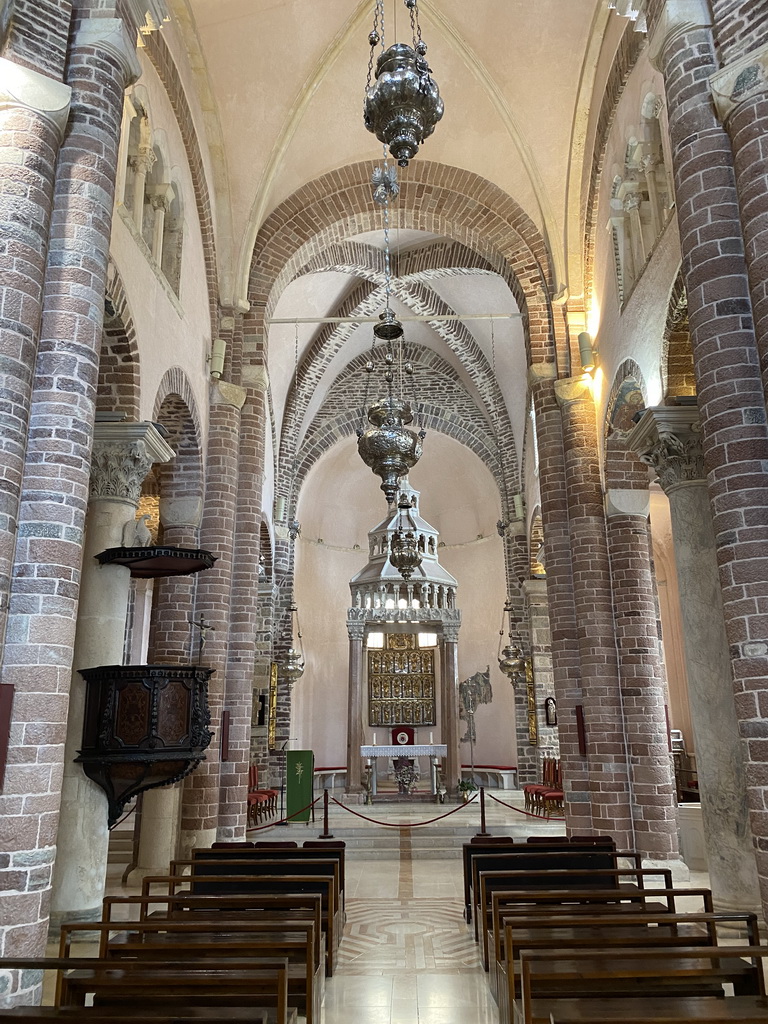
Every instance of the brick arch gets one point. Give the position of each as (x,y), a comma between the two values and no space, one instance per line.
(677,372)
(444,406)
(118,383)
(623,468)
(433,197)
(175,408)
(364,301)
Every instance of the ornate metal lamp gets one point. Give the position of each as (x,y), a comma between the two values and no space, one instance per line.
(511,655)
(388,447)
(292,664)
(404,550)
(403,106)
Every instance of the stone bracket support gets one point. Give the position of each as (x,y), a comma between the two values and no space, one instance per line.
(739,82)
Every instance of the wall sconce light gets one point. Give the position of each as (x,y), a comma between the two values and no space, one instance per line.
(218,352)
(586,352)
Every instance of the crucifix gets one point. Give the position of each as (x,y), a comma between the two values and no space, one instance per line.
(204,627)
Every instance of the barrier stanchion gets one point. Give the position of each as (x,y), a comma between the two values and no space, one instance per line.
(483,831)
(325,834)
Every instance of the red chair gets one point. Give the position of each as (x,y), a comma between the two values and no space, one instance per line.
(261,802)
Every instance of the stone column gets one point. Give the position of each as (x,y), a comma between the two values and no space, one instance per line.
(449,699)
(46,579)
(356,633)
(141,164)
(160,197)
(123,454)
(643,681)
(560,594)
(33,116)
(669,440)
(200,799)
(603,720)
(730,387)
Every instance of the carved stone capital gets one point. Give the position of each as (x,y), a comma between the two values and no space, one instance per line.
(669,440)
(111,37)
(28,89)
(147,15)
(573,389)
(677,18)
(451,632)
(355,624)
(224,393)
(538,372)
(123,454)
(178,511)
(256,377)
(534,592)
(160,196)
(626,501)
(739,82)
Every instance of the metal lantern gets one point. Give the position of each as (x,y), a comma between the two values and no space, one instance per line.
(404,552)
(292,664)
(511,656)
(403,106)
(388,447)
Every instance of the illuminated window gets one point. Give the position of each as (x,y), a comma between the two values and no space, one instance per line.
(427,639)
(375,640)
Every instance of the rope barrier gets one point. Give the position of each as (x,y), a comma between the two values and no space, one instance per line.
(284,821)
(527,814)
(404,824)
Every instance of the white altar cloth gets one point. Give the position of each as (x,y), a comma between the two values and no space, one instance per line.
(406,750)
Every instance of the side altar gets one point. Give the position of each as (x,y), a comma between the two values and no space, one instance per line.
(431,750)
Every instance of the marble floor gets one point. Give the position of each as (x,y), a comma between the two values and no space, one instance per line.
(407,956)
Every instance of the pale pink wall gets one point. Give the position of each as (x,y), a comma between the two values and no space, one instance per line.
(339,503)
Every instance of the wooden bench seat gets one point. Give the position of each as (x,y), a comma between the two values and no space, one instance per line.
(680,1010)
(129,1015)
(528,881)
(157,989)
(479,847)
(554,985)
(228,889)
(216,938)
(556,933)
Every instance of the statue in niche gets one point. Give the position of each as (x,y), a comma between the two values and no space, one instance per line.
(473,692)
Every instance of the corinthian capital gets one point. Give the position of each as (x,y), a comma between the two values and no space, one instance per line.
(669,440)
(123,454)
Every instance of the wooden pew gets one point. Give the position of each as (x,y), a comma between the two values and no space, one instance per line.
(128,1015)
(562,932)
(535,858)
(229,890)
(501,844)
(155,989)
(684,984)
(329,849)
(216,938)
(578,879)
(510,907)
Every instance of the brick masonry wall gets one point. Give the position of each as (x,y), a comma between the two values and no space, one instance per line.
(38,35)
(593,600)
(46,587)
(564,639)
(730,389)
(641,666)
(739,26)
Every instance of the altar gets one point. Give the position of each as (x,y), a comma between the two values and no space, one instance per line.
(431,750)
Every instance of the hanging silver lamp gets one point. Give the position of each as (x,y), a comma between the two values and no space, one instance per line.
(404,552)
(388,447)
(511,656)
(403,106)
(292,662)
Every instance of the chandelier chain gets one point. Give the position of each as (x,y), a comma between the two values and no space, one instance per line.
(413,9)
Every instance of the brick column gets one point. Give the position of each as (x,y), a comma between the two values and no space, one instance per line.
(730,387)
(668,439)
(172,641)
(449,700)
(643,680)
(356,632)
(33,115)
(601,693)
(45,589)
(200,798)
(243,618)
(517,565)
(123,454)
(560,593)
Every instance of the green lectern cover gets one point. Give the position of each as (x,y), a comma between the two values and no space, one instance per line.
(299,774)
